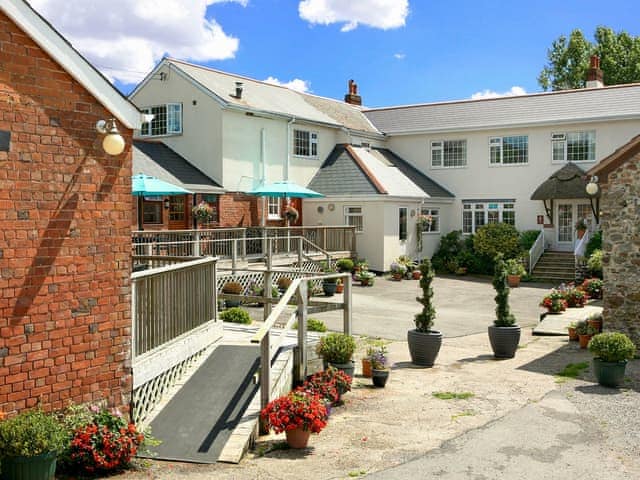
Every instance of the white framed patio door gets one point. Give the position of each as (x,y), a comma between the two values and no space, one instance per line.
(567,214)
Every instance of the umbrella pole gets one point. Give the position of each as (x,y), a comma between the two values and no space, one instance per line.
(140,216)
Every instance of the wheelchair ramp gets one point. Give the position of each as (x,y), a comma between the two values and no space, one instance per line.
(196,423)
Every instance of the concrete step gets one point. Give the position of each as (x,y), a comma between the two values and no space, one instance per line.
(554,269)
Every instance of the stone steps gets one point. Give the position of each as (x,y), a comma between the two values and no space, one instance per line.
(556,267)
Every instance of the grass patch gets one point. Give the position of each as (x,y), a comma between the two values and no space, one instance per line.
(466,413)
(357,473)
(573,370)
(453,395)
(262,450)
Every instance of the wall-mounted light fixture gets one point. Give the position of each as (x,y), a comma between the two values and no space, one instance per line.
(166,203)
(593,190)
(112,143)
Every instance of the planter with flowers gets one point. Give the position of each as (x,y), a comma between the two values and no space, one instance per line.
(397,270)
(611,351)
(554,302)
(291,214)
(329,385)
(593,287)
(585,332)
(571,330)
(366,278)
(29,445)
(581,227)
(298,414)
(515,271)
(379,366)
(203,212)
(595,320)
(575,297)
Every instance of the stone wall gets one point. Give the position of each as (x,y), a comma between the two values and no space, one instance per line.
(65,223)
(620,206)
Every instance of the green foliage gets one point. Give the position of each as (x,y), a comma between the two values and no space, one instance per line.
(495,238)
(594,243)
(424,319)
(31,433)
(504,317)
(514,267)
(528,238)
(595,263)
(345,265)
(451,245)
(569,59)
(612,347)
(453,395)
(313,325)
(233,288)
(235,315)
(336,347)
(573,370)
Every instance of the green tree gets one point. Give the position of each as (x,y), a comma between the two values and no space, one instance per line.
(569,59)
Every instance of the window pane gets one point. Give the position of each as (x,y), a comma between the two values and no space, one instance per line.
(493,216)
(402,223)
(436,157)
(176,208)
(558,150)
(159,122)
(302,143)
(494,152)
(174,118)
(515,149)
(467,221)
(152,212)
(353,217)
(509,216)
(455,153)
(580,146)
(434,215)
(479,219)
(273,206)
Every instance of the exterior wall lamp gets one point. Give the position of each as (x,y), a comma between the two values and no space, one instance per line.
(112,143)
(593,190)
(166,203)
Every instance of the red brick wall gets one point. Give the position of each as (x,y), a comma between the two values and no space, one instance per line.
(65,221)
(238,210)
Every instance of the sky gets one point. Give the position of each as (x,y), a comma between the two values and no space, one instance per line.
(398,51)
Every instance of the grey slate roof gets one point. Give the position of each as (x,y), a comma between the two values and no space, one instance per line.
(568,106)
(568,182)
(158,160)
(266,97)
(375,171)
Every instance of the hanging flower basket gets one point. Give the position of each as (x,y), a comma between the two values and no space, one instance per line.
(291,214)
(203,212)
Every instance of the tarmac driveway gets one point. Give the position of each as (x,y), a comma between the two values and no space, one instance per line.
(464,306)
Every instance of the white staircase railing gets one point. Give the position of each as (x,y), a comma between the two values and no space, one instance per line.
(536,251)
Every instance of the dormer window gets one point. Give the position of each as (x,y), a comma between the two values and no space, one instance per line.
(167,120)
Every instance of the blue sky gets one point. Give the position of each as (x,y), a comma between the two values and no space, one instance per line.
(430,51)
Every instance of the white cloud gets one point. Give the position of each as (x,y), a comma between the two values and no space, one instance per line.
(515,90)
(400,56)
(295,84)
(125,38)
(384,14)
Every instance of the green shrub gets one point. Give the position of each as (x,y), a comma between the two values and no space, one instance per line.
(514,267)
(495,238)
(424,319)
(313,325)
(31,433)
(595,263)
(336,347)
(504,317)
(450,246)
(528,238)
(236,315)
(594,243)
(345,265)
(612,347)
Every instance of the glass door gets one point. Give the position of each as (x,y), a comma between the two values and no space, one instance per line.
(565,223)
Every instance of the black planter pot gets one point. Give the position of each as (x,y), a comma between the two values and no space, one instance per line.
(348,368)
(504,340)
(329,288)
(231,303)
(379,377)
(609,374)
(424,347)
(40,467)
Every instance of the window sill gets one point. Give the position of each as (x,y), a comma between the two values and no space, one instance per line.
(564,162)
(316,157)
(271,217)
(142,137)
(498,165)
(461,167)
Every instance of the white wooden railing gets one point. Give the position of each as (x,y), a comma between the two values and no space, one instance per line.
(536,251)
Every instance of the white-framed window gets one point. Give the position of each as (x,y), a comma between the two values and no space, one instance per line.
(167,120)
(353,217)
(513,150)
(573,146)
(273,208)
(475,214)
(305,143)
(152,210)
(402,223)
(449,153)
(434,215)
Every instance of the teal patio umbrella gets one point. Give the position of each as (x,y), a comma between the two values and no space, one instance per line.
(284,189)
(147,186)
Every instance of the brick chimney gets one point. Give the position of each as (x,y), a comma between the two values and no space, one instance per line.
(594,74)
(352,97)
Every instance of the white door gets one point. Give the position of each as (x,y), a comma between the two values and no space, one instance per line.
(565,227)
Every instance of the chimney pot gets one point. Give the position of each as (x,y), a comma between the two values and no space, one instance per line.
(352,96)
(595,78)
(239,90)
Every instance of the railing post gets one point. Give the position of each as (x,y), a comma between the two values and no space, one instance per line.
(244,244)
(300,247)
(265,377)
(324,238)
(302,332)
(134,317)
(234,255)
(347,304)
(196,244)
(268,281)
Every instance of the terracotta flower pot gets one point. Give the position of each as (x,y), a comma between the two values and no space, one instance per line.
(584,340)
(366,368)
(416,274)
(513,281)
(396,276)
(573,335)
(298,438)
(339,288)
(596,324)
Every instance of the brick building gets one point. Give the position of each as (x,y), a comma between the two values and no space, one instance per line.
(619,179)
(65,222)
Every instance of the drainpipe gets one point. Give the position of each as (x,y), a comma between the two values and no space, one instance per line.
(289,141)
(263,173)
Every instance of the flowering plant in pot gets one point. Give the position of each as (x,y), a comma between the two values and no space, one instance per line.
(203,212)
(612,351)
(397,270)
(585,332)
(595,320)
(424,343)
(379,367)
(554,301)
(30,444)
(575,297)
(571,330)
(336,349)
(504,334)
(298,414)
(593,287)
(515,271)
(581,227)
(366,278)
(329,385)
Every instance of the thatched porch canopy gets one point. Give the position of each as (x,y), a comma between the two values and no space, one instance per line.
(568,182)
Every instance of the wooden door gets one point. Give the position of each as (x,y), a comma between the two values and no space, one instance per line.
(178,219)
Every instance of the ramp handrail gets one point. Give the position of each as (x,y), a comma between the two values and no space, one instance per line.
(536,251)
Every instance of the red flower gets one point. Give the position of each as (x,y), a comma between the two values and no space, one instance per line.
(297,409)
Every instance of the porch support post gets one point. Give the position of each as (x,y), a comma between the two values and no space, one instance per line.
(265,377)
(302,332)
(347,304)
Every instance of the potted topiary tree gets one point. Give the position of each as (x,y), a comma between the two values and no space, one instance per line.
(504,334)
(29,445)
(424,343)
(612,350)
(336,349)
